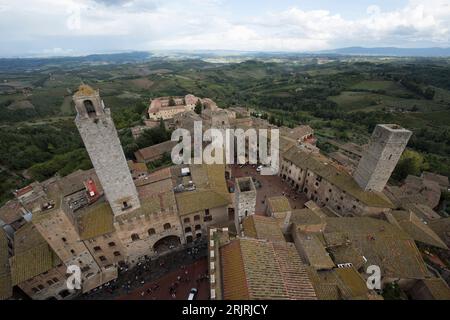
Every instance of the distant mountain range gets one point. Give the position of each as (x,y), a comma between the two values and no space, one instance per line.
(228,55)
(390,51)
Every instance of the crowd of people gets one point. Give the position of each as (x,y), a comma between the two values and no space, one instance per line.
(131,278)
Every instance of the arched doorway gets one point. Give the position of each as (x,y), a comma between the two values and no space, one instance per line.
(166,244)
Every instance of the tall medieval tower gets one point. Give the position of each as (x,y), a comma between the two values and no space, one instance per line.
(379,160)
(100,137)
(245,200)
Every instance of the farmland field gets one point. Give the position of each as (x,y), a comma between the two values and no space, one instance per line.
(342,99)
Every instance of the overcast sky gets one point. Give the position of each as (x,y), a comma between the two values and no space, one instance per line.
(67,27)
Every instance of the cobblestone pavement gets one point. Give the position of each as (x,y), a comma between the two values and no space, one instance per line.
(271,186)
(176,285)
(149,271)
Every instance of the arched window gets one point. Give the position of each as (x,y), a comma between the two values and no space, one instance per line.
(89,106)
(151,231)
(167,226)
(135,237)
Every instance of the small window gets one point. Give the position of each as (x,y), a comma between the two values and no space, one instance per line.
(125,205)
(97,249)
(55,279)
(167,226)
(188,229)
(112,244)
(117,253)
(197,217)
(198,227)
(49,282)
(64,239)
(89,106)
(135,237)
(209,218)
(151,231)
(102,258)
(72,251)
(207,212)
(187,220)
(41,287)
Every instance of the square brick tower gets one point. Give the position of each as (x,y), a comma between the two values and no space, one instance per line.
(387,144)
(245,200)
(100,137)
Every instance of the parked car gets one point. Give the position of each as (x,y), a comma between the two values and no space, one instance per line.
(192,294)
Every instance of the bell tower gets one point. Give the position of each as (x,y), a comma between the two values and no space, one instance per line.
(102,143)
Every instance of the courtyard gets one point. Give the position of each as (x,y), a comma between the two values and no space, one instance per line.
(268,186)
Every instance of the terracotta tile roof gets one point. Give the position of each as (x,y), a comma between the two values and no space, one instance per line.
(314,251)
(257,269)
(419,190)
(195,201)
(264,228)
(347,253)
(233,272)
(297,132)
(416,228)
(11,211)
(279,204)
(340,284)
(442,228)
(286,143)
(441,180)
(211,190)
(95,220)
(305,217)
(32,255)
(75,181)
(438,288)
(382,244)
(137,166)
(338,177)
(5,272)
(155,151)
(23,191)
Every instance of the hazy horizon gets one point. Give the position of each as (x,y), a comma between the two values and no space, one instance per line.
(83,27)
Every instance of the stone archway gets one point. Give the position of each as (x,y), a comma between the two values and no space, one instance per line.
(166,244)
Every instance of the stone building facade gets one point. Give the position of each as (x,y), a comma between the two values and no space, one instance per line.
(328,185)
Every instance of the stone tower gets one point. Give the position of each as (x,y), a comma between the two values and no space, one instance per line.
(379,160)
(100,137)
(245,200)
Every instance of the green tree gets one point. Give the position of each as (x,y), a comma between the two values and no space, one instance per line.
(198,107)
(171,102)
(411,162)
